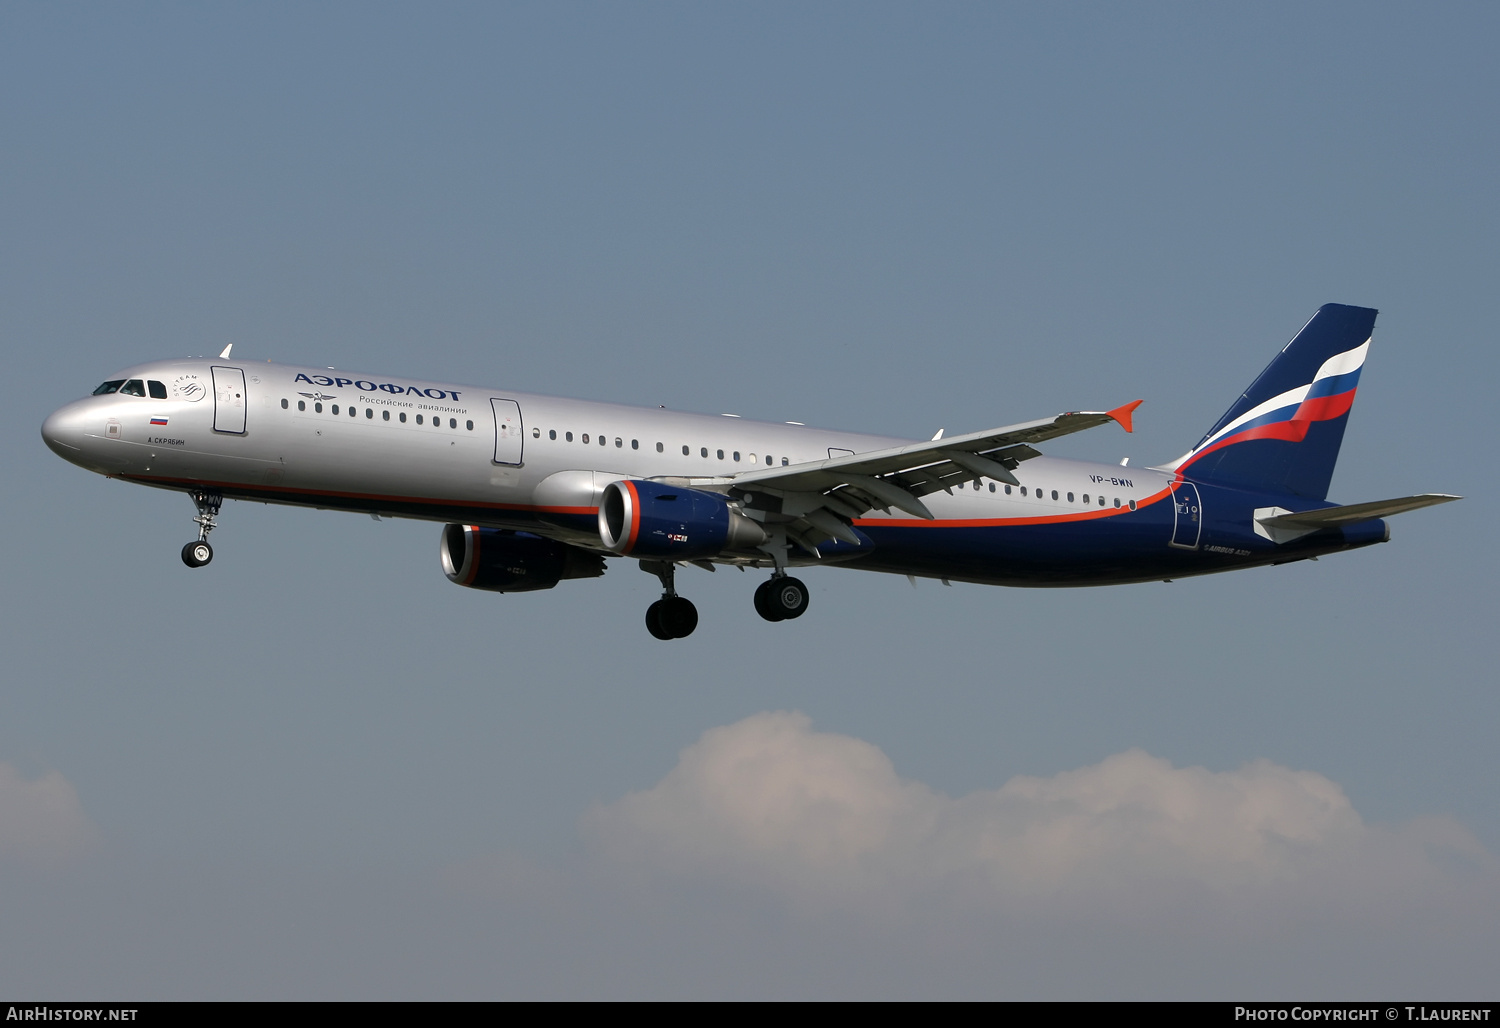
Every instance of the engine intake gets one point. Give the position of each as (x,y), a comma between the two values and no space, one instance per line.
(652,519)
(512,562)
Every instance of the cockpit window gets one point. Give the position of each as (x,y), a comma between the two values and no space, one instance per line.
(109,387)
(135,387)
(158,390)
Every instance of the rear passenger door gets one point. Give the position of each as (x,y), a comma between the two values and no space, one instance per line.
(1187,510)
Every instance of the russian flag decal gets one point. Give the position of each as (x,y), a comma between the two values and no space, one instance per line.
(158,421)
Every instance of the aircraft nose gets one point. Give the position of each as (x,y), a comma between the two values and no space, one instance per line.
(63,432)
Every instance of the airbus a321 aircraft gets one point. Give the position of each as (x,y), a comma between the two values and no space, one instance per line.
(535,489)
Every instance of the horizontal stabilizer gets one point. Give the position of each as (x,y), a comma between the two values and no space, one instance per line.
(1282,526)
(1330,517)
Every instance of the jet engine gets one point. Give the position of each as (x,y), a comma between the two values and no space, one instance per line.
(660,521)
(512,562)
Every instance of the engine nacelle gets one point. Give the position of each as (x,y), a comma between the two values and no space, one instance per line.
(512,562)
(655,520)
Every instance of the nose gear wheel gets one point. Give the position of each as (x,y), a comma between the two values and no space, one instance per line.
(197,554)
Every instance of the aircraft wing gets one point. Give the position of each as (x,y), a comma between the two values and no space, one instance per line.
(816,500)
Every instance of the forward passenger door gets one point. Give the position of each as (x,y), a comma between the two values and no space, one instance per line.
(229,400)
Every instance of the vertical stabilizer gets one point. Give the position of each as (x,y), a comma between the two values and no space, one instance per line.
(1283,434)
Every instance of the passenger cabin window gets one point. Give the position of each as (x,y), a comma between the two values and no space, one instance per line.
(302,405)
(317,408)
(402,417)
(569,437)
(135,387)
(109,387)
(334,407)
(419,419)
(284,404)
(158,390)
(385,415)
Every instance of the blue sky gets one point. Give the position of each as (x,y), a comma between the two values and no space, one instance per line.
(317,769)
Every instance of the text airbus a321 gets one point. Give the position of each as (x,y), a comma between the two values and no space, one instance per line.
(536,489)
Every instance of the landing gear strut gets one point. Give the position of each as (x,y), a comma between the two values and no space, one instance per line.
(672,616)
(781,598)
(197,554)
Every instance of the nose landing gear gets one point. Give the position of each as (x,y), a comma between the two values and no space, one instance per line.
(197,554)
(781,598)
(672,616)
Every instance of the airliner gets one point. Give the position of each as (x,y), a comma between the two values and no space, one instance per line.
(532,490)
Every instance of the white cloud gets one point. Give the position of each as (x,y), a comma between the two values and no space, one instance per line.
(39,819)
(824,818)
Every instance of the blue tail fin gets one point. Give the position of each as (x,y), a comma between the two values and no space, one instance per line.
(1283,433)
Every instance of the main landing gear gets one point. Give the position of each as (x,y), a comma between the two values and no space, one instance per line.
(781,598)
(197,554)
(672,616)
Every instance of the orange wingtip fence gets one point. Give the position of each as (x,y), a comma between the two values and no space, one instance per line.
(1122,414)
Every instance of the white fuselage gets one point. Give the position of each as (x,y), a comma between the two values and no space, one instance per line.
(447,452)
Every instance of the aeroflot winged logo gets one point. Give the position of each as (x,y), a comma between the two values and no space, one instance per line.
(1288,415)
(370,387)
